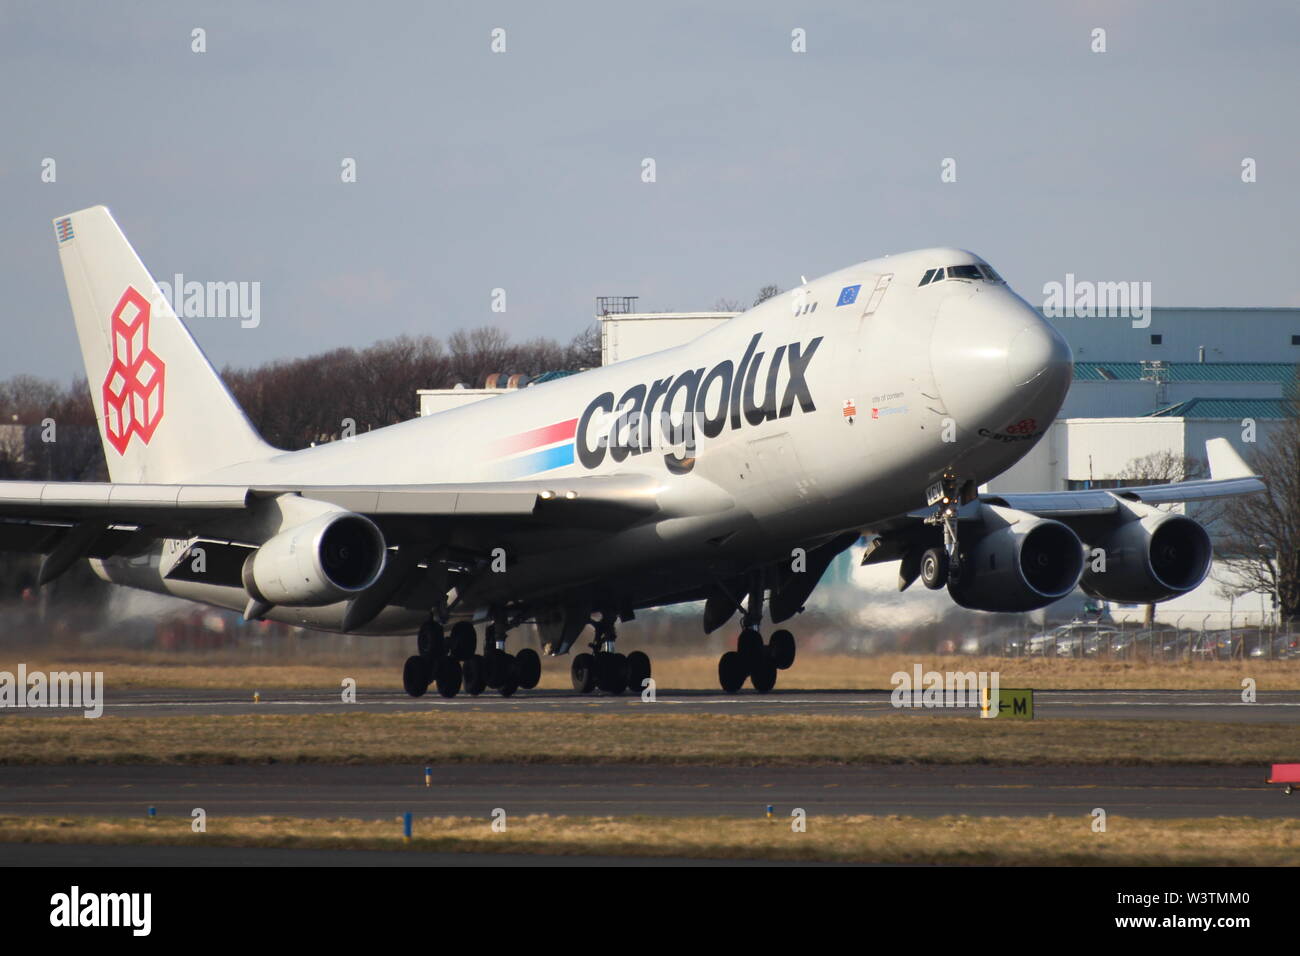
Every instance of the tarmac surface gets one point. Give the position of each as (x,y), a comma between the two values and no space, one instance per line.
(89,855)
(1219,705)
(475,790)
(385,792)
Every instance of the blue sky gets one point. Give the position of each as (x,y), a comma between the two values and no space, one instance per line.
(522,170)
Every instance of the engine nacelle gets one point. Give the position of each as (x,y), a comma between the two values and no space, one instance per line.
(1017,562)
(330,558)
(1152,557)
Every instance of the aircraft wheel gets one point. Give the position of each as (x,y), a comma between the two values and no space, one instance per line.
(934,568)
(499,665)
(781,649)
(732,671)
(638,670)
(611,672)
(528,665)
(750,645)
(583,673)
(510,677)
(430,641)
(415,676)
(475,675)
(463,640)
(762,674)
(448,676)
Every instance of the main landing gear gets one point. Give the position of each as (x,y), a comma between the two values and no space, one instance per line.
(756,661)
(449,662)
(753,660)
(604,668)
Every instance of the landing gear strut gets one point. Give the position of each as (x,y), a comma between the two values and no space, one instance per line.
(939,565)
(752,659)
(605,668)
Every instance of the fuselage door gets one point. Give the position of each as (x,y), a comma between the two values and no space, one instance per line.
(878,293)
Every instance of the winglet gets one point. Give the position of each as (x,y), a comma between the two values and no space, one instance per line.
(1224,460)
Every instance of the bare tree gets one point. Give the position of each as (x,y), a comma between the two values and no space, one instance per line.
(728,305)
(767,292)
(584,349)
(1262,532)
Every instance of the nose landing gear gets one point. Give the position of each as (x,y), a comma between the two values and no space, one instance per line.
(939,565)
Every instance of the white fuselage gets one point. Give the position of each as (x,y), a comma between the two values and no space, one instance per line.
(804,418)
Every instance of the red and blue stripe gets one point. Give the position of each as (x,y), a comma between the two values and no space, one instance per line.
(538,450)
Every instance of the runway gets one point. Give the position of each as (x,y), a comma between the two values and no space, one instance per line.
(385,792)
(1219,706)
(73,855)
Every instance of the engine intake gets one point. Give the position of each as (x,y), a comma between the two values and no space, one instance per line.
(330,558)
(1018,562)
(1152,557)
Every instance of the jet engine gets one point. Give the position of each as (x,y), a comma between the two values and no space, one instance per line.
(1151,557)
(1015,562)
(331,558)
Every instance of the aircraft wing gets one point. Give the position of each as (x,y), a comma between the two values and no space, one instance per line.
(103,516)
(1229,477)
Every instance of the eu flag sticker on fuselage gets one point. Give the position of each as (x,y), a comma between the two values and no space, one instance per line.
(848,295)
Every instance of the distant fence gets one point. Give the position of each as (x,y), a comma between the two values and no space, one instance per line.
(1169,644)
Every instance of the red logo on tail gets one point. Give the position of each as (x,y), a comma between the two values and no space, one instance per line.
(133,389)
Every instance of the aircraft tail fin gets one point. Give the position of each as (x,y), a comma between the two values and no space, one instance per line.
(1225,462)
(164,413)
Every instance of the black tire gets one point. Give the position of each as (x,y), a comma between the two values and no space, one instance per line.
(528,665)
(750,645)
(415,676)
(583,673)
(638,670)
(510,678)
(498,667)
(732,671)
(462,641)
(763,676)
(431,641)
(934,568)
(611,672)
(781,649)
(475,675)
(448,676)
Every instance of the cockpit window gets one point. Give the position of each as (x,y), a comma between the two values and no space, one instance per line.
(978,272)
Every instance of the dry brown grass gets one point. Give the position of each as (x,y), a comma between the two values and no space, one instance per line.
(1051,841)
(127,670)
(485,735)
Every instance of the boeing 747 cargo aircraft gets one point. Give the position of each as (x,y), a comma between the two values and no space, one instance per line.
(871,402)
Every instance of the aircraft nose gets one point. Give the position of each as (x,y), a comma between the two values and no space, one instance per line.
(1037,350)
(992,354)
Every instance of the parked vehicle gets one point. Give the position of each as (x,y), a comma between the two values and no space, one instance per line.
(1076,639)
